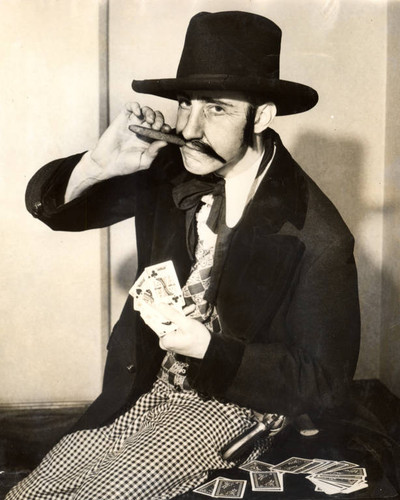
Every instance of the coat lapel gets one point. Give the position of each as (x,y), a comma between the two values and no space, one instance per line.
(261,262)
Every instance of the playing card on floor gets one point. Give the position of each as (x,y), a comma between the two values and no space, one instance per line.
(266,481)
(293,465)
(229,488)
(207,488)
(256,466)
(339,477)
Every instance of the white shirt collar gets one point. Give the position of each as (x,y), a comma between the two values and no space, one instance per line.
(239,190)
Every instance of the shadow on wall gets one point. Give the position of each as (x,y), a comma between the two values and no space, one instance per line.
(126,272)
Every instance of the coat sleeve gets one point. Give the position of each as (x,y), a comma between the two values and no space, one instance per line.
(311,368)
(101,205)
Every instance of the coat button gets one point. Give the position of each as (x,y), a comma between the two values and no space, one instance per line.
(131,368)
(37,208)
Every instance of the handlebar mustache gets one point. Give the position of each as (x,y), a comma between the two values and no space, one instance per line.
(206,149)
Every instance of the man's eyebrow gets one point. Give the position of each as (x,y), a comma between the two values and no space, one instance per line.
(205,98)
(212,100)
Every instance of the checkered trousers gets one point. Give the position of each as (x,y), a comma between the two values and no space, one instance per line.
(163,446)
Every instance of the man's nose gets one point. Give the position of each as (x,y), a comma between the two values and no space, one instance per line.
(193,128)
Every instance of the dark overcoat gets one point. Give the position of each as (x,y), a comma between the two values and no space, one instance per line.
(287,296)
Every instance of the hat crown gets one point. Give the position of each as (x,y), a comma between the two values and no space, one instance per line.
(231,43)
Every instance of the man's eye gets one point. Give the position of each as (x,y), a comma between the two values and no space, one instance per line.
(216,109)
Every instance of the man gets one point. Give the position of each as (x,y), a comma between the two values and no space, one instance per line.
(271,323)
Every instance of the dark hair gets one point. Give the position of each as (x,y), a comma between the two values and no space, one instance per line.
(254,101)
(248,132)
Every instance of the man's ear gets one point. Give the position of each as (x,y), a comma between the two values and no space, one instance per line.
(265,113)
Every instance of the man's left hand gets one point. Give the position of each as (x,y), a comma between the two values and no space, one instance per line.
(191,338)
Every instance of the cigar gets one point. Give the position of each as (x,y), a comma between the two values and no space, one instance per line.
(157,135)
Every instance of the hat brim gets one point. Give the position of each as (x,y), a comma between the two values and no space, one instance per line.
(289,97)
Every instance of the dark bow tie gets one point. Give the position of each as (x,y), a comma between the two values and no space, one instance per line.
(187,196)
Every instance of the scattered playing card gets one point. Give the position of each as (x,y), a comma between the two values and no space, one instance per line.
(207,488)
(293,465)
(314,466)
(229,488)
(356,472)
(266,481)
(256,466)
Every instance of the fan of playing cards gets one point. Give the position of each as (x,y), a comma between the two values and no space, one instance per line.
(328,476)
(157,284)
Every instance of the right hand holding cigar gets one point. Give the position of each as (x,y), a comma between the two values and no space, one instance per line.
(120,151)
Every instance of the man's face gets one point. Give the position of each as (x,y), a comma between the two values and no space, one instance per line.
(214,123)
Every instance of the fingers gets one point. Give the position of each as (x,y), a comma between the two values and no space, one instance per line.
(154,148)
(166,128)
(158,121)
(149,115)
(135,109)
(187,310)
(146,116)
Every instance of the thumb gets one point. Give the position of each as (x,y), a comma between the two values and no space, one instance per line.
(150,153)
(154,148)
(171,314)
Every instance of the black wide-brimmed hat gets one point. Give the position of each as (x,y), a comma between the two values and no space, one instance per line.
(233,51)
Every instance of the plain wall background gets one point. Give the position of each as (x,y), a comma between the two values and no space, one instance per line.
(390,335)
(51,317)
(54,294)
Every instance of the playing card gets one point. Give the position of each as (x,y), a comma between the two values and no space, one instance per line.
(256,466)
(322,466)
(332,465)
(346,482)
(165,284)
(313,467)
(327,488)
(207,488)
(266,481)
(355,472)
(158,284)
(293,465)
(229,488)
(333,477)
(331,486)
(336,466)
(358,486)
(348,464)
(141,291)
